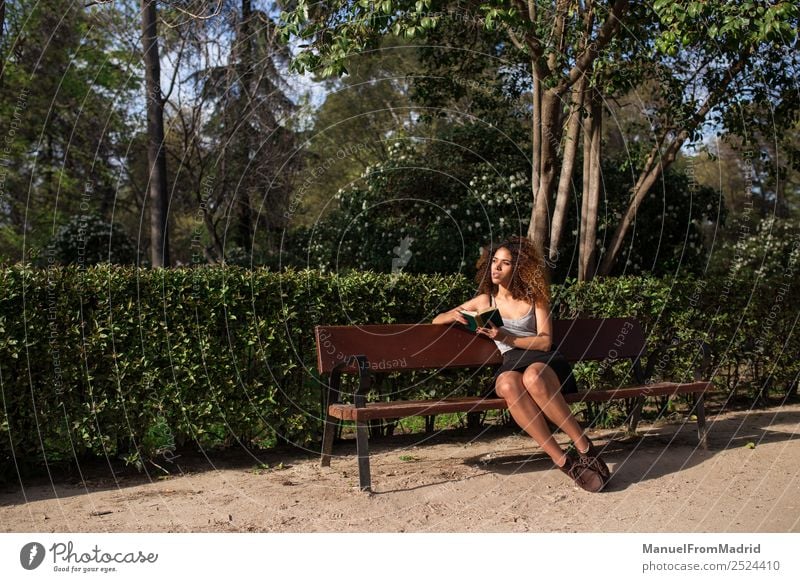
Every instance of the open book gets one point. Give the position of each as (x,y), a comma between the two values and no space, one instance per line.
(476,319)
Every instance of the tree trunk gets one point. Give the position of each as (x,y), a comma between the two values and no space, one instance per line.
(245,57)
(567,168)
(549,140)
(156,155)
(2,27)
(547,130)
(592,183)
(536,123)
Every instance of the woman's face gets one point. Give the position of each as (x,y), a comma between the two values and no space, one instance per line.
(502,267)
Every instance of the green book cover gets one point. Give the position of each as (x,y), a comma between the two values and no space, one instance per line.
(476,319)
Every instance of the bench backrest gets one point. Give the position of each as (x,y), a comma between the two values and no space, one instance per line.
(426,346)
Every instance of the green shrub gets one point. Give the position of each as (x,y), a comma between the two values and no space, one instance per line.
(131,363)
(136,364)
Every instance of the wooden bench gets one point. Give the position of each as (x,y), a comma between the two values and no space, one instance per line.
(368,350)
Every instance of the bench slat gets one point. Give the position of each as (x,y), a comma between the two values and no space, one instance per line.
(427,346)
(405,408)
(403,347)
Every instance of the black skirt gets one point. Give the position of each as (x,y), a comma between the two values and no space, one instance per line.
(517,360)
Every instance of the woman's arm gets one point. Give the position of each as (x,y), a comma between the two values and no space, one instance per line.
(474,304)
(543,340)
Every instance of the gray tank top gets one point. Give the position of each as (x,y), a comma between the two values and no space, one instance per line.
(523,326)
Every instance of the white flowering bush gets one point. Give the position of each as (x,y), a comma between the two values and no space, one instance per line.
(440,200)
(452,195)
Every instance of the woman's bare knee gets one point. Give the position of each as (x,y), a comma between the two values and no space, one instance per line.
(509,386)
(509,391)
(535,380)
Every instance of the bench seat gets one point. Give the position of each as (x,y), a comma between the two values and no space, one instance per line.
(406,408)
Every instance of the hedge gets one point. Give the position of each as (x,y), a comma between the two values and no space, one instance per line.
(132,363)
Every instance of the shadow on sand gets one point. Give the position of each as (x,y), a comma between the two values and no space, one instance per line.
(642,457)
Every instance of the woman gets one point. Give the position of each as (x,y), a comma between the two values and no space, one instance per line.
(532,378)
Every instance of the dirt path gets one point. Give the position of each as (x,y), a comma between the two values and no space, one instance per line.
(489,483)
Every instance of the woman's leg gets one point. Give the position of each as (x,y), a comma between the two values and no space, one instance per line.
(527,414)
(544,387)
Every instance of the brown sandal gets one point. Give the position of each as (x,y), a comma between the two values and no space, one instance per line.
(591,458)
(585,476)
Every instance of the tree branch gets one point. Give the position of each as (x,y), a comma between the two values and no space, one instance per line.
(586,59)
(558,34)
(165,96)
(533,43)
(657,161)
(514,40)
(197,16)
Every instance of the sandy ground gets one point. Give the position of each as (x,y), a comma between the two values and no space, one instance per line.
(490,482)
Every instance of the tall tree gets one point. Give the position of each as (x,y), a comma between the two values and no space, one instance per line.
(156,151)
(696,50)
(592,186)
(362,114)
(576,34)
(63,106)
(711,59)
(234,146)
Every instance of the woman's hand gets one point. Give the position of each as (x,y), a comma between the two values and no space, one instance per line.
(496,333)
(454,315)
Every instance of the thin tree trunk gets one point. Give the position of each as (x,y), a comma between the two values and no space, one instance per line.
(216,244)
(549,140)
(156,155)
(592,184)
(586,184)
(245,57)
(536,155)
(567,168)
(2,26)
(546,102)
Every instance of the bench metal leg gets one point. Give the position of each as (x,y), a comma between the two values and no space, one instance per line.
(362,426)
(330,423)
(328,432)
(700,412)
(636,414)
(362,448)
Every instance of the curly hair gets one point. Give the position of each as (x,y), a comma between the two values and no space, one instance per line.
(529,277)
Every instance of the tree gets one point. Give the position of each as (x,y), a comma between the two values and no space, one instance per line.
(63,103)
(236,153)
(693,50)
(556,64)
(352,129)
(708,48)
(156,153)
